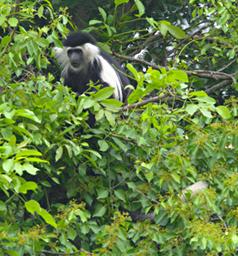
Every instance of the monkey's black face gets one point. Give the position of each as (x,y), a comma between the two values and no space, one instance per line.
(75,56)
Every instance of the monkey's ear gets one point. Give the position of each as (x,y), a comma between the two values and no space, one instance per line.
(58,50)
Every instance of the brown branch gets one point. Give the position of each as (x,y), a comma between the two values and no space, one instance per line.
(66,253)
(218,86)
(217,75)
(144,102)
(132,59)
(211,74)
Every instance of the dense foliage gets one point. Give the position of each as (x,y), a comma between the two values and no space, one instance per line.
(116,188)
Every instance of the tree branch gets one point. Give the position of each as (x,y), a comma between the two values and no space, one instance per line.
(217,75)
(144,102)
(218,86)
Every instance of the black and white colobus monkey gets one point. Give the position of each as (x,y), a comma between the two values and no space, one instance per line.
(83,61)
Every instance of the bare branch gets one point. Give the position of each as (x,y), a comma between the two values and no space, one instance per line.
(217,75)
(144,102)
(218,86)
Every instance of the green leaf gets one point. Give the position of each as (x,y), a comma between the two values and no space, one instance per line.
(205,112)
(100,211)
(27,114)
(2,20)
(119,2)
(180,75)
(110,118)
(176,32)
(29,168)
(191,108)
(40,11)
(94,22)
(102,194)
(224,112)
(29,185)
(48,218)
(13,22)
(8,165)
(103,93)
(112,104)
(140,7)
(28,152)
(103,145)
(152,22)
(136,95)
(120,194)
(88,103)
(84,215)
(59,153)
(103,13)
(163,27)
(33,206)
(198,94)
(3,207)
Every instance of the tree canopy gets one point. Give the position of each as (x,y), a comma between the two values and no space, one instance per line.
(126,185)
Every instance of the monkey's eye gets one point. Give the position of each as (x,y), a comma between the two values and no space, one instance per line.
(77,51)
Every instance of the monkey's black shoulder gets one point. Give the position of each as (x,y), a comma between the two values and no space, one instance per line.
(78,38)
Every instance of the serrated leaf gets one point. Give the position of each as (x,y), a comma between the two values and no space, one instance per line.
(224,112)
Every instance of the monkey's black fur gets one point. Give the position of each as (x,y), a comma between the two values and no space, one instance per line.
(95,65)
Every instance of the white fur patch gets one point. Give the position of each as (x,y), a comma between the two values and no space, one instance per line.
(91,51)
(110,76)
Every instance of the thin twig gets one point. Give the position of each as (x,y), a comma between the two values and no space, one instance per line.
(227,65)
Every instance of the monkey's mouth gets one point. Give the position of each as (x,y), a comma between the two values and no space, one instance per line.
(75,64)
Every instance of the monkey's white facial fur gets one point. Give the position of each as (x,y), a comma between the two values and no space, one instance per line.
(76,58)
